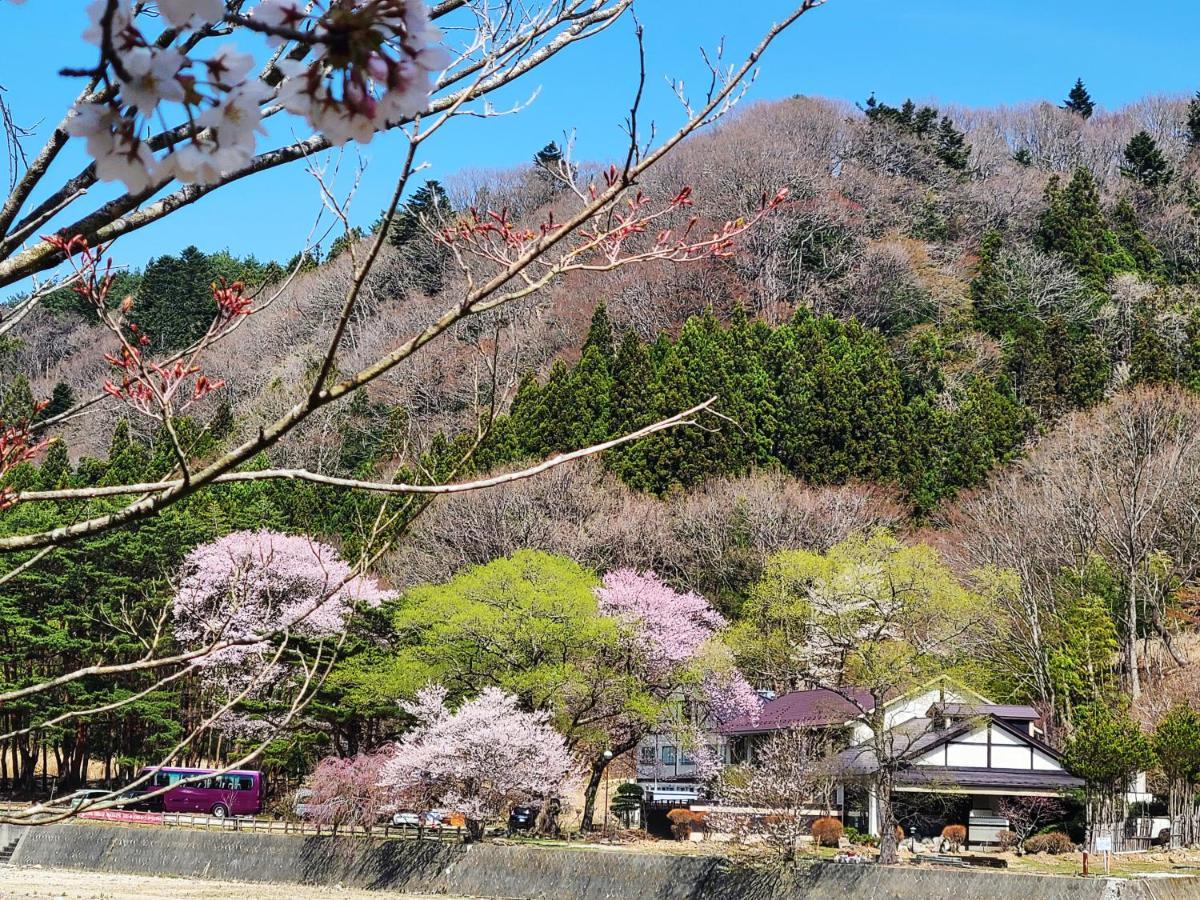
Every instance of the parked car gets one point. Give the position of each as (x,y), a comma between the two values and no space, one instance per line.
(406,818)
(80,798)
(523,818)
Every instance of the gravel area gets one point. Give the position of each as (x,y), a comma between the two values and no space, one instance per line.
(68,885)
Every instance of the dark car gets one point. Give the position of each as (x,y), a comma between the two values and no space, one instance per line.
(523,818)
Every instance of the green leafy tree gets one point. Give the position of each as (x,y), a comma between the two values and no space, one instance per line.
(1107,750)
(1079,101)
(1145,163)
(428,208)
(62,398)
(344,242)
(1177,747)
(174,305)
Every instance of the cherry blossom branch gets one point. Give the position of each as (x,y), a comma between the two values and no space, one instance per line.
(122,215)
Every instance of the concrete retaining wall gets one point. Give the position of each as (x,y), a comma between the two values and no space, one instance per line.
(530,872)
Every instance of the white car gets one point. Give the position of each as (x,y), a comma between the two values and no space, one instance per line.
(406,818)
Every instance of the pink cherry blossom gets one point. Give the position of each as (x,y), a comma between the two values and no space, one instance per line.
(251,583)
(350,792)
(668,627)
(478,760)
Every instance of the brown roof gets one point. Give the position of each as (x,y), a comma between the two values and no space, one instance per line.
(798,709)
(951,777)
(1012,712)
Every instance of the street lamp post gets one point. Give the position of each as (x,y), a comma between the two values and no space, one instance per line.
(607,759)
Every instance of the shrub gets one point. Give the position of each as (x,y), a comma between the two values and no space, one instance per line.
(854,836)
(684,822)
(827,832)
(1008,840)
(1053,842)
(955,835)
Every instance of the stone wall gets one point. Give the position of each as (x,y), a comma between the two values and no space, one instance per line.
(537,873)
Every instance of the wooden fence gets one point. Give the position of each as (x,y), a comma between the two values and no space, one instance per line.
(270,826)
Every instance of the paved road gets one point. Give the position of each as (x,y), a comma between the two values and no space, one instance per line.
(61,884)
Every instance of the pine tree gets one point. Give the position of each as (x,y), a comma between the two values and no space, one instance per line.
(952,146)
(62,398)
(428,208)
(551,167)
(1145,163)
(1023,157)
(429,204)
(1079,101)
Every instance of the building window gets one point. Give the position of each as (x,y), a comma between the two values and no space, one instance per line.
(686,759)
(647,755)
(668,755)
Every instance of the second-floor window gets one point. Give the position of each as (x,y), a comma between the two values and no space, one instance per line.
(668,756)
(647,755)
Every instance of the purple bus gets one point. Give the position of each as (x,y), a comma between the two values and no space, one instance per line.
(225,794)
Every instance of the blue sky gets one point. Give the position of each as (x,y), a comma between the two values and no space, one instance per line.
(974,52)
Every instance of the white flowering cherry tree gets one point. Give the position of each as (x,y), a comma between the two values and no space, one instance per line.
(174,102)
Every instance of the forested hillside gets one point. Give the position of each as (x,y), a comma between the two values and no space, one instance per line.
(976,328)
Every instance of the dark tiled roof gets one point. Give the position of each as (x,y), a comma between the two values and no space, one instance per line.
(998,710)
(803,708)
(907,739)
(952,777)
(912,738)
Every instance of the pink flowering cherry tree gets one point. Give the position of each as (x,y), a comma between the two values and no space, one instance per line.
(478,760)
(243,598)
(349,792)
(672,645)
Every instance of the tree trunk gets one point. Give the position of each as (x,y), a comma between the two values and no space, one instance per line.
(1131,626)
(888,844)
(595,775)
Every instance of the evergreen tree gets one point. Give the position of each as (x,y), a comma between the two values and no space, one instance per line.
(549,158)
(429,204)
(1193,122)
(1079,101)
(1145,163)
(1074,226)
(174,304)
(343,242)
(1023,157)
(62,398)
(428,208)
(17,403)
(600,333)
(952,146)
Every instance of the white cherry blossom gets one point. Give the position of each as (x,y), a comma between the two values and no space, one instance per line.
(192,13)
(152,77)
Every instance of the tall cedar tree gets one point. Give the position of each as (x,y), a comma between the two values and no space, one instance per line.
(1145,163)
(1079,101)
(1074,226)
(428,208)
(952,146)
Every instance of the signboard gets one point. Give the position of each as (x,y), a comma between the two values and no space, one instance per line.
(1104,843)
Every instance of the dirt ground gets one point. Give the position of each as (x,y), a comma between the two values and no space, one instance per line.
(62,884)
